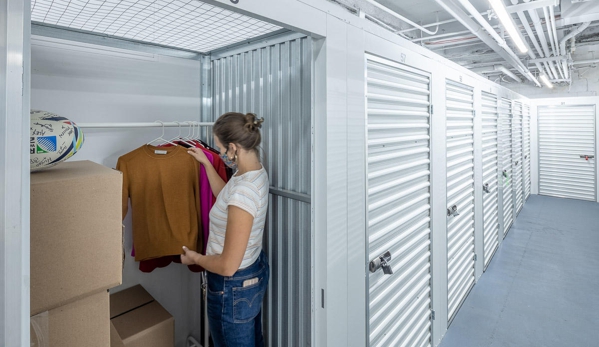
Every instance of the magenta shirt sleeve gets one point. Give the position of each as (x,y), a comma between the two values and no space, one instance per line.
(205,200)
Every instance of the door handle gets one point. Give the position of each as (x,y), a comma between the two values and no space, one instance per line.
(587,157)
(486,188)
(382,261)
(453,211)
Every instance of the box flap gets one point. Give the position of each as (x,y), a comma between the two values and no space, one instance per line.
(71,170)
(128,299)
(115,338)
(141,320)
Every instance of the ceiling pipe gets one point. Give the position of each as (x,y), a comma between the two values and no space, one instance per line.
(498,46)
(498,68)
(582,62)
(552,40)
(530,34)
(402,18)
(552,20)
(541,34)
(572,35)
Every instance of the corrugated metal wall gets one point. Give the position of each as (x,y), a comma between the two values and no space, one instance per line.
(490,175)
(275,83)
(398,211)
(505,141)
(566,137)
(517,157)
(526,148)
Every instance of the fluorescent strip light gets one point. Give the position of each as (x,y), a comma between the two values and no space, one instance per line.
(508,24)
(545,81)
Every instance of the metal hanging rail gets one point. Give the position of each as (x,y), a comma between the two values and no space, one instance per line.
(157,124)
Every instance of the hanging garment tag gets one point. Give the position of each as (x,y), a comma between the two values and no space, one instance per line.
(160,152)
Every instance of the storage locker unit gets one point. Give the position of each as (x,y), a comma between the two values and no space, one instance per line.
(490,168)
(460,193)
(517,158)
(505,140)
(398,203)
(526,167)
(241,82)
(567,164)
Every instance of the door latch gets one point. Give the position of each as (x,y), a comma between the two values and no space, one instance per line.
(486,188)
(382,261)
(505,173)
(453,211)
(517,162)
(587,157)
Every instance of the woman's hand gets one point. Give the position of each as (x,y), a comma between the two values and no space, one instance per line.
(190,257)
(199,155)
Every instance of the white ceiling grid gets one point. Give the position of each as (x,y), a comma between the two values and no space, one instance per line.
(187,24)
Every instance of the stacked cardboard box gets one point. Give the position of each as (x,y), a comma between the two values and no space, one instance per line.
(76,253)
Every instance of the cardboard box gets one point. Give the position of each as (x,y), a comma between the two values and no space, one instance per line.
(76,233)
(139,321)
(82,323)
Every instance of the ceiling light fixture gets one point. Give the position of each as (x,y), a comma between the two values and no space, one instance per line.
(508,24)
(545,81)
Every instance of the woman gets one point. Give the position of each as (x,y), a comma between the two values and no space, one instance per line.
(236,265)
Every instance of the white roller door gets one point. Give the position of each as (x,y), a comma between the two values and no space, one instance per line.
(490,175)
(460,193)
(517,157)
(567,166)
(526,149)
(398,207)
(505,141)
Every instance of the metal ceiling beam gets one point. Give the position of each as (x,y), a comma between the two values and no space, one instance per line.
(545,60)
(502,49)
(533,5)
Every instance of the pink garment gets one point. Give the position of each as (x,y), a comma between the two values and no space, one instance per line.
(205,199)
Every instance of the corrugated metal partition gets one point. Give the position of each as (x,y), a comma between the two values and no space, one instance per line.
(517,157)
(505,141)
(275,83)
(460,193)
(567,167)
(526,149)
(490,175)
(398,206)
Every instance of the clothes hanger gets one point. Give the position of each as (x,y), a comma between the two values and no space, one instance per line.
(178,137)
(161,138)
(185,140)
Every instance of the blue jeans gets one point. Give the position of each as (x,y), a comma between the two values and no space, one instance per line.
(234,311)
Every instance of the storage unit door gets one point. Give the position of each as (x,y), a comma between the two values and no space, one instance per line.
(517,157)
(505,141)
(460,193)
(490,175)
(526,149)
(567,166)
(398,206)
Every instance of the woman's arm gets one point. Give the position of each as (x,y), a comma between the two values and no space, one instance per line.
(216,183)
(239,227)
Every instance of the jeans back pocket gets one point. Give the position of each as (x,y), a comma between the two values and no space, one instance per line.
(247,301)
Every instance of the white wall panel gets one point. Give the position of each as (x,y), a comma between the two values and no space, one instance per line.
(460,193)
(398,208)
(490,175)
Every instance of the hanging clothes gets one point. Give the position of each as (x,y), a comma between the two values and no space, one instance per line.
(207,200)
(163,185)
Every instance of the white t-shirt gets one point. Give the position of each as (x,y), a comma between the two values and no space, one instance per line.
(250,193)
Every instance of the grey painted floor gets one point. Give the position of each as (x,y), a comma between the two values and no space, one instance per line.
(542,287)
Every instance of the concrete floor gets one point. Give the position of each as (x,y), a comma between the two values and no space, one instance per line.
(542,287)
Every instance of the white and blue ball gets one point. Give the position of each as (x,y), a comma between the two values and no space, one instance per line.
(53,139)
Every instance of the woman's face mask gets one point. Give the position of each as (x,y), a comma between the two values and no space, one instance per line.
(229,162)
